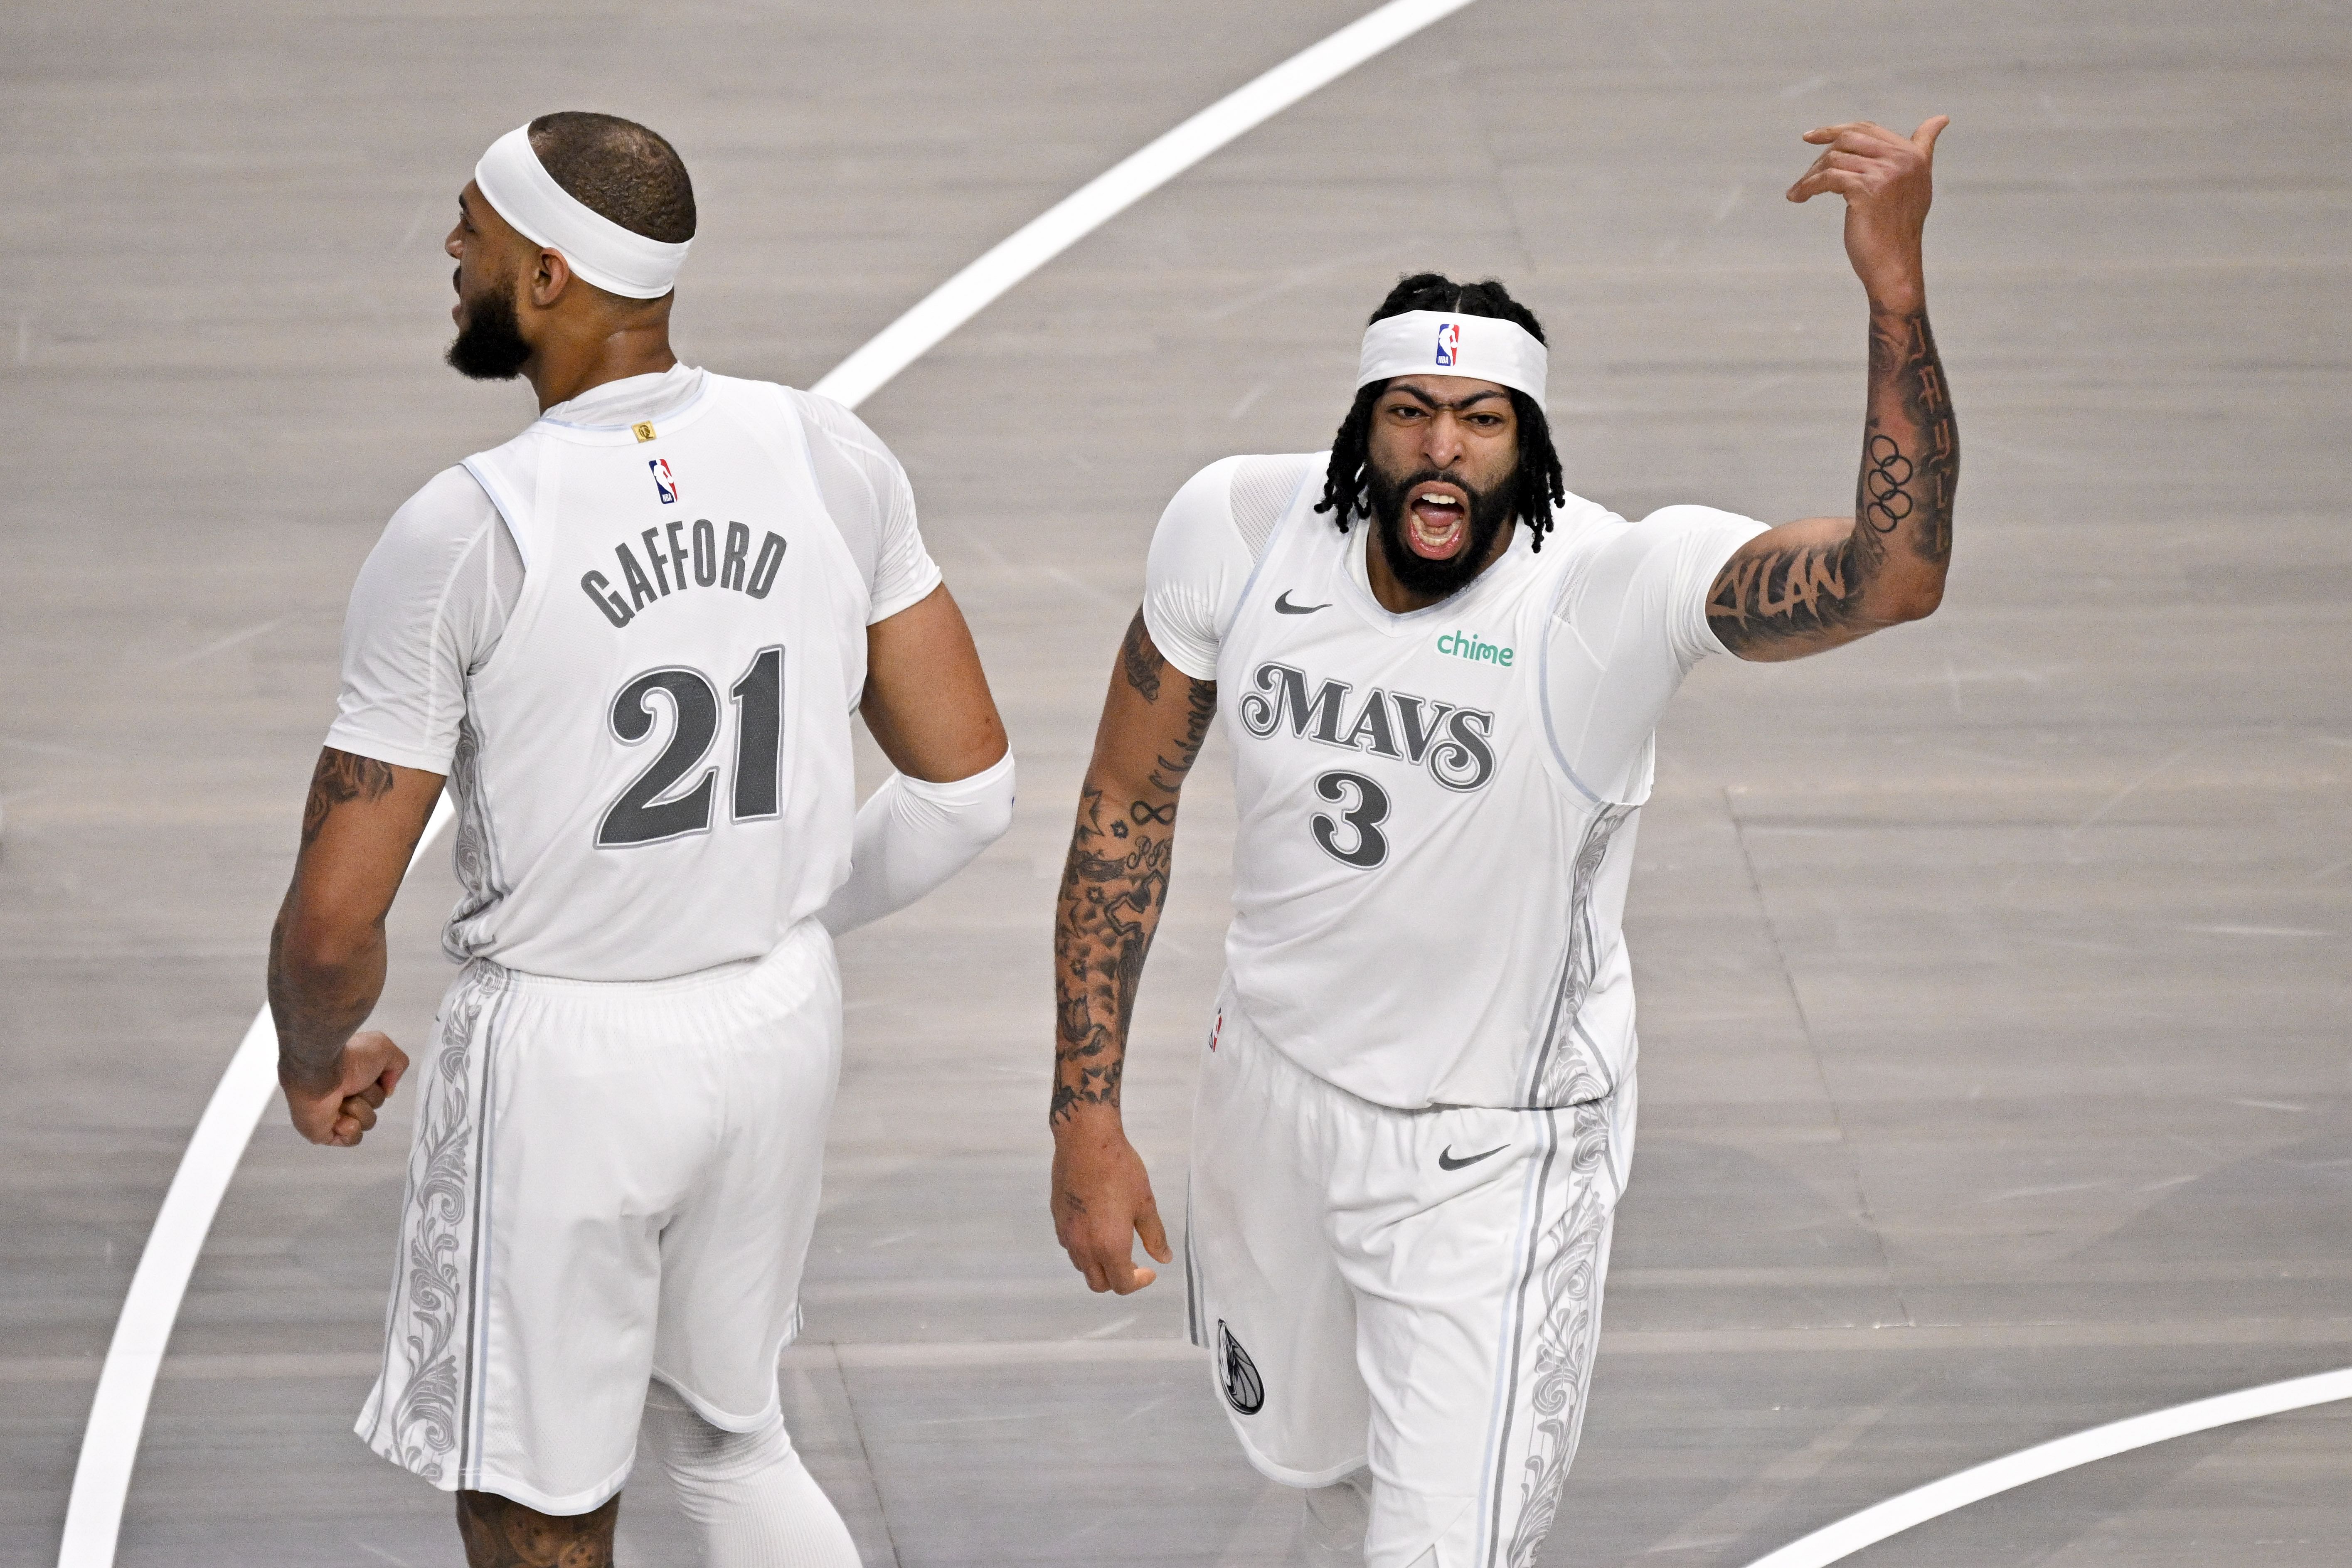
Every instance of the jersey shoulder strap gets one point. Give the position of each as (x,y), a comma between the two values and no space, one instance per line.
(512,475)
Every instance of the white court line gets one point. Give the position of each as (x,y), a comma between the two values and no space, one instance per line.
(1110,193)
(1851,1534)
(125,1383)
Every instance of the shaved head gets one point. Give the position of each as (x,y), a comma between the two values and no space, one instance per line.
(619,170)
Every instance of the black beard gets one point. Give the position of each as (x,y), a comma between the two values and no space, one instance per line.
(490,346)
(1490,513)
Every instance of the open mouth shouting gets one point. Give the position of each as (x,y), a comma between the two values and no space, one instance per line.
(1437,520)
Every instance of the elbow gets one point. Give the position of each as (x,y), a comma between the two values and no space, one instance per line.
(1919,602)
(309,954)
(991,815)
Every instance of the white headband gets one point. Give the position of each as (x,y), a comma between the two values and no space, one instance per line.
(600,251)
(1484,348)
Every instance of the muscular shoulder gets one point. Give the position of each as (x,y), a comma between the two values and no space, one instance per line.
(434,529)
(1243,496)
(1208,542)
(832,423)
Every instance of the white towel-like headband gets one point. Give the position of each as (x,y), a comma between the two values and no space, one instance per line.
(600,251)
(1484,348)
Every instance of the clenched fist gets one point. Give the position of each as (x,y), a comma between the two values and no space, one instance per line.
(341,1109)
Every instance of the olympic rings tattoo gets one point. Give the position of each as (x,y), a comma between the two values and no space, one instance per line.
(1883,481)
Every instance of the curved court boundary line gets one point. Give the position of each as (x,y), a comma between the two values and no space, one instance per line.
(1849,1535)
(126,1382)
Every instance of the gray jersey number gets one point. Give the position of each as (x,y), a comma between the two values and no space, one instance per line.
(1365,807)
(653,808)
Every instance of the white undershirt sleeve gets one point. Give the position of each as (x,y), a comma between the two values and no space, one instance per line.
(428,606)
(1630,628)
(866,490)
(1198,563)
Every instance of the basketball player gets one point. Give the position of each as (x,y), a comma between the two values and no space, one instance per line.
(1439,672)
(630,639)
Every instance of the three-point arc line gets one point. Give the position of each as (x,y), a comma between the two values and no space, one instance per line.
(126,1381)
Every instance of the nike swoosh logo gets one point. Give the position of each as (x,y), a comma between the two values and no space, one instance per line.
(1446,1162)
(1283,606)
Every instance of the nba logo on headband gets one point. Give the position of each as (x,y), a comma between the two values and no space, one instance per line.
(1418,342)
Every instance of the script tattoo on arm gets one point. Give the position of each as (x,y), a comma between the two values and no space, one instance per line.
(1813,585)
(1116,879)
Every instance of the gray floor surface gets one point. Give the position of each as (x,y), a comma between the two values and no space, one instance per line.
(1994,973)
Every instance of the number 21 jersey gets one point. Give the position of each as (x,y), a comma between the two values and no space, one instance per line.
(654,773)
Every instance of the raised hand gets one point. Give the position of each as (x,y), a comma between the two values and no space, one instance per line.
(1886,179)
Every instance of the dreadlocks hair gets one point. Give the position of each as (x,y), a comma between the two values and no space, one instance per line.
(619,170)
(1536,484)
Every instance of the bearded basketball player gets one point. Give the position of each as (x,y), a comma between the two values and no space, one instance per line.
(630,640)
(1439,672)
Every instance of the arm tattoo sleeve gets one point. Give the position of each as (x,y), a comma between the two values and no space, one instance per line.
(1113,887)
(1903,513)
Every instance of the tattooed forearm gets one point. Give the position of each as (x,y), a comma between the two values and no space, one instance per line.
(1911,456)
(1114,881)
(1812,585)
(338,779)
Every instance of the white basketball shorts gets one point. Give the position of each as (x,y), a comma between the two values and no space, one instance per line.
(1415,1292)
(609,1183)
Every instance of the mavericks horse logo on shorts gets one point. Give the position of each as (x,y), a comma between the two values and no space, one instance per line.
(1244,1389)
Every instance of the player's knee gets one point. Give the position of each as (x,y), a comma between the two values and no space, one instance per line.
(698,1455)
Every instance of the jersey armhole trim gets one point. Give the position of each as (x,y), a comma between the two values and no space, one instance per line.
(504,509)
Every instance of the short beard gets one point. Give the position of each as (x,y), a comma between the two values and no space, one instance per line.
(1490,513)
(490,346)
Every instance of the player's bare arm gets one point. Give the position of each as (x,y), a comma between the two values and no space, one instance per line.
(1814,585)
(1114,885)
(359,825)
(927,702)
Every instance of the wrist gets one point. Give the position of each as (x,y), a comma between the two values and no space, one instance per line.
(312,1080)
(1902,295)
(1085,1121)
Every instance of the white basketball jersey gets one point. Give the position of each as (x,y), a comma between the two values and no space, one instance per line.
(1427,900)
(655,773)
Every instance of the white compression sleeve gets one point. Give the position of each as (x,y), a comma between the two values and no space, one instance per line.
(752,1501)
(912,835)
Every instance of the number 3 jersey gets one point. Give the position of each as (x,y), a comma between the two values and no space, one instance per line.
(651,764)
(1436,808)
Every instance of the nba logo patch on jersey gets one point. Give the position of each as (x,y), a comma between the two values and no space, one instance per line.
(1449,343)
(1216,1031)
(664,482)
